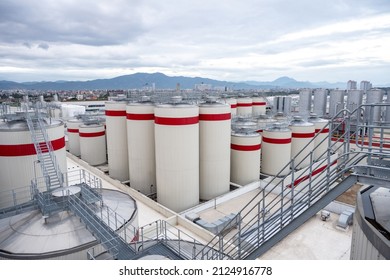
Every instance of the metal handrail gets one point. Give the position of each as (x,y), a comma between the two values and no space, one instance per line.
(299,198)
(41,128)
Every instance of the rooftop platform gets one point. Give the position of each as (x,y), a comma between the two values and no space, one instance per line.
(314,240)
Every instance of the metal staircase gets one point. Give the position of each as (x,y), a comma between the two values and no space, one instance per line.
(101,229)
(285,204)
(44,150)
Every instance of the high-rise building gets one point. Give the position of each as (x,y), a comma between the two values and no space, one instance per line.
(351,85)
(365,86)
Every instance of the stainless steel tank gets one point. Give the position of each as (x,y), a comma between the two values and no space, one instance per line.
(319,101)
(354,100)
(282,104)
(373,96)
(305,101)
(336,102)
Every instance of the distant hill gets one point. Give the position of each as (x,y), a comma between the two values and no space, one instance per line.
(287,82)
(161,81)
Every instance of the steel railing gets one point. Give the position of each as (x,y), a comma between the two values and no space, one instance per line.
(283,200)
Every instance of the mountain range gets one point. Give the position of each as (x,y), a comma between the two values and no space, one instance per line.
(162,81)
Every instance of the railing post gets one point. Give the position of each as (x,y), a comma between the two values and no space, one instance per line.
(310,178)
(220,244)
(108,217)
(258,223)
(292,188)
(281,207)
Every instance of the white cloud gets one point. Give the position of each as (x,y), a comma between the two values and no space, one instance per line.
(221,39)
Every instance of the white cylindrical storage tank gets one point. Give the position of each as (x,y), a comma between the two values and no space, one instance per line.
(371,227)
(276,150)
(64,236)
(336,102)
(259,105)
(319,101)
(321,136)
(233,104)
(141,146)
(244,106)
(245,157)
(214,153)
(18,159)
(305,101)
(177,155)
(93,143)
(373,96)
(72,128)
(118,162)
(302,134)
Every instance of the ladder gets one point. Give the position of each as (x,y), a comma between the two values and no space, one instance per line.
(44,150)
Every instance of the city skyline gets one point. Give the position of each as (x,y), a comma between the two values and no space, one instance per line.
(224,40)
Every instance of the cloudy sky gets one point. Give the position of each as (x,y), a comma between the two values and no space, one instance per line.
(234,40)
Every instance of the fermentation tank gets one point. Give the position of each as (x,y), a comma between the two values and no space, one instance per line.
(118,163)
(177,154)
(336,102)
(63,236)
(259,105)
(232,103)
(276,150)
(214,143)
(373,96)
(301,142)
(319,102)
(18,159)
(73,136)
(244,106)
(245,156)
(354,100)
(282,104)
(264,121)
(241,122)
(140,138)
(322,136)
(305,101)
(93,143)
(281,118)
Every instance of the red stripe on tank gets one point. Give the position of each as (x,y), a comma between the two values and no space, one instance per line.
(29,149)
(303,135)
(276,141)
(140,117)
(245,148)
(115,113)
(92,134)
(214,117)
(176,121)
(325,130)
